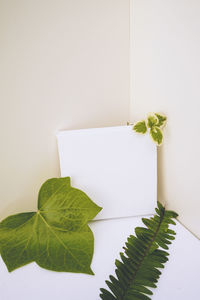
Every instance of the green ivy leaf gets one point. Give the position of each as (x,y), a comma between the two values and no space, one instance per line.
(161,120)
(151,121)
(156,135)
(57,236)
(140,127)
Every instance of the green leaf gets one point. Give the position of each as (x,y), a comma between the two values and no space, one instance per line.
(161,120)
(140,127)
(156,135)
(57,236)
(155,122)
(140,264)
(151,121)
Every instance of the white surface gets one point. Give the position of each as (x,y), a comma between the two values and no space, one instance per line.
(179,279)
(166,73)
(64,64)
(115,166)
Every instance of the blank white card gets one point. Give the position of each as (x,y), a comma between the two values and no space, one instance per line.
(114,166)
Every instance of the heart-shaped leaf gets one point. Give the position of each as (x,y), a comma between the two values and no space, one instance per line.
(140,127)
(151,121)
(57,236)
(161,120)
(156,135)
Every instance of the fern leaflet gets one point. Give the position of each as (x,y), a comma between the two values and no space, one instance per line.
(138,269)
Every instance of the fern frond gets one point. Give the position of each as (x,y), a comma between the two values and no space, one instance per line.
(138,268)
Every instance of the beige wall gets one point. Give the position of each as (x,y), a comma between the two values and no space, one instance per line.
(63,64)
(166,78)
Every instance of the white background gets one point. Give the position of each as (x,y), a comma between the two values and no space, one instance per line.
(65,65)
(166,78)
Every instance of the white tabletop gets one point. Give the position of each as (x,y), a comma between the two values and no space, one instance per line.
(179,279)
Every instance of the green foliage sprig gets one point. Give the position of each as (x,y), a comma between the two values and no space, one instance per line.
(154,124)
(57,237)
(138,269)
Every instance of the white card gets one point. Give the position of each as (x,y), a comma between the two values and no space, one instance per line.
(114,166)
